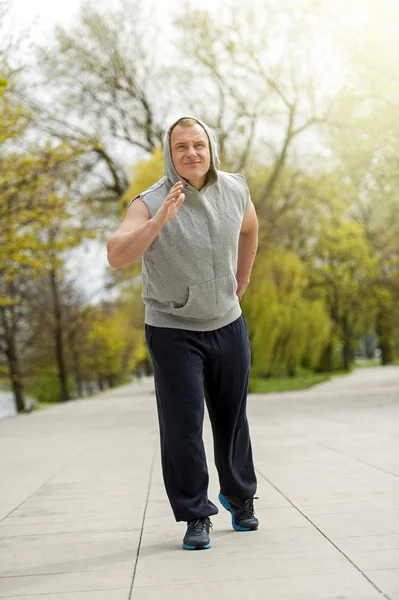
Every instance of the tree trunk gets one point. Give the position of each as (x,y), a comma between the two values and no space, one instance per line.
(58,338)
(346,356)
(347,351)
(387,353)
(16,378)
(77,373)
(14,370)
(111,380)
(385,342)
(369,345)
(279,163)
(326,361)
(291,369)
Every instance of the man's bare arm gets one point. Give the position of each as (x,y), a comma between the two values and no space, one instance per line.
(138,230)
(133,236)
(247,247)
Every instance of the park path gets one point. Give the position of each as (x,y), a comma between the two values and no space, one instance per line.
(83,513)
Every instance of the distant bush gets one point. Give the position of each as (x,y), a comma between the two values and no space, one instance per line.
(46,388)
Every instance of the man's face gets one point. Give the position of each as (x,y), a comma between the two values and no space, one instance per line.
(190,153)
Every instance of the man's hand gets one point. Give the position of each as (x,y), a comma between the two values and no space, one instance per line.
(169,207)
(241,287)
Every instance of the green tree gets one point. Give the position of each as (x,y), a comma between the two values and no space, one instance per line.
(114,344)
(343,271)
(285,326)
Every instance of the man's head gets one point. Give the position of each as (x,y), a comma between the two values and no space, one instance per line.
(189,145)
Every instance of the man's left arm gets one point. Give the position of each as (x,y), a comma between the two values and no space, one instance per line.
(247,247)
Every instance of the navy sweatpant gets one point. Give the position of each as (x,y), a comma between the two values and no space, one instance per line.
(188,366)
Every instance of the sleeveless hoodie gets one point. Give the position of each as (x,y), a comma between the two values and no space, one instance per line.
(188,271)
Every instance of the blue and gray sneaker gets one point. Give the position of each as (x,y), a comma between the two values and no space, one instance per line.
(242,513)
(197,534)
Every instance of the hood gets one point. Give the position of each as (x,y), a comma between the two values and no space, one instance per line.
(170,170)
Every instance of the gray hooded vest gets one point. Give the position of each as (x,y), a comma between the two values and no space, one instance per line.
(188,271)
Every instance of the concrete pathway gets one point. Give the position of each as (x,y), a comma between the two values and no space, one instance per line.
(84,514)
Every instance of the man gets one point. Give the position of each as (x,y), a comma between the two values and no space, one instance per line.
(197,232)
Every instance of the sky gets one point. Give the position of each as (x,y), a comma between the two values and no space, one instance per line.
(40,16)
(46,13)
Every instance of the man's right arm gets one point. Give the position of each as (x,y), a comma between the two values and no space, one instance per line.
(133,236)
(138,230)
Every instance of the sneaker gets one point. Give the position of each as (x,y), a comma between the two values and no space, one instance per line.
(197,534)
(242,513)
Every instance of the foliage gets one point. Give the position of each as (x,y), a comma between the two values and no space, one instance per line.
(284,325)
(285,384)
(35,211)
(46,388)
(144,174)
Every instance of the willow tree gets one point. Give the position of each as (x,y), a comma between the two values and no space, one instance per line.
(343,271)
(285,326)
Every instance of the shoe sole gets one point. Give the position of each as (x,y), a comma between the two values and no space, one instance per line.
(228,507)
(187,547)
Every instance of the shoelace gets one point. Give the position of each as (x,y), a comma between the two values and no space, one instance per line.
(247,510)
(197,526)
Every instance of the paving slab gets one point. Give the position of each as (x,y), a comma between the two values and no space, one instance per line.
(87,595)
(29,559)
(62,583)
(305,587)
(84,516)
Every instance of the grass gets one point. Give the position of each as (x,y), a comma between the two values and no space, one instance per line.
(367,362)
(372,362)
(42,405)
(286,384)
(305,378)
(278,381)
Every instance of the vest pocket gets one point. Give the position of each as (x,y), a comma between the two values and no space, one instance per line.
(209,299)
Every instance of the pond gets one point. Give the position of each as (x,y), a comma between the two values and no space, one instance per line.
(7,405)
